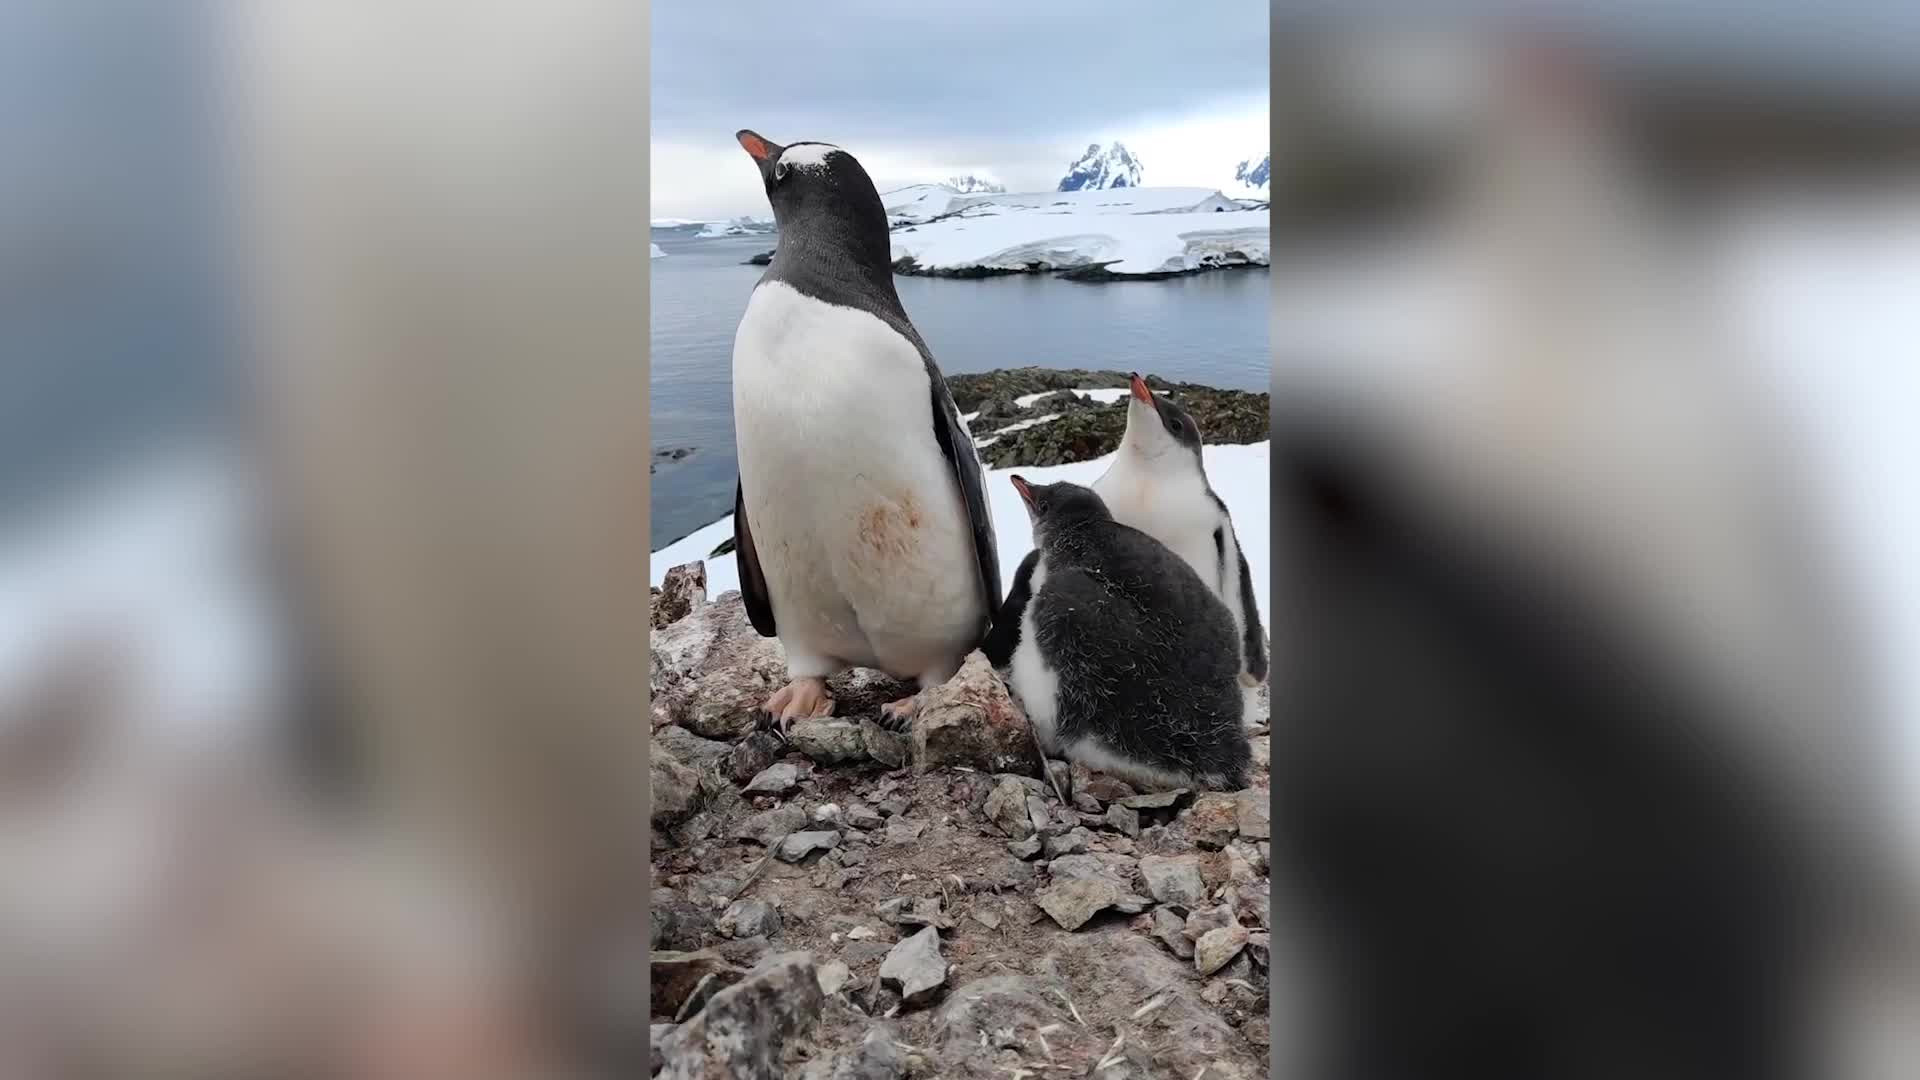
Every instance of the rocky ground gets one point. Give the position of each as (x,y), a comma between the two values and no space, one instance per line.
(1088,429)
(852,904)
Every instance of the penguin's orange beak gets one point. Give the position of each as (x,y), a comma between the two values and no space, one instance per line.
(1140,390)
(1025,489)
(760,149)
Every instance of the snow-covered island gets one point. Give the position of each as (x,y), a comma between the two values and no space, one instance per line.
(1094,233)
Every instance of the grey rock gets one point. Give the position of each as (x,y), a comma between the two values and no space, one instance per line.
(1063,776)
(1106,788)
(675,788)
(767,827)
(1118,869)
(1207,919)
(1123,819)
(711,670)
(751,755)
(904,831)
(776,779)
(801,844)
(1071,903)
(1213,819)
(1157,800)
(1086,803)
(1007,809)
(915,966)
(1171,930)
(886,747)
(744,1030)
(826,814)
(893,807)
(1025,849)
(833,975)
(1215,947)
(862,816)
(1255,812)
(749,918)
(1037,815)
(674,976)
(827,740)
(987,917)
(876,1057)
(683,589)
(1174,879)
(1072,842)
(970,720)
(692,750)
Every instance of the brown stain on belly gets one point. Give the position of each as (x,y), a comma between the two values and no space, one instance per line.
(889,529)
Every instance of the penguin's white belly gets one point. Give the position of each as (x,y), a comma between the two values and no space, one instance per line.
(858,520)
(1034,681)
(1184,521)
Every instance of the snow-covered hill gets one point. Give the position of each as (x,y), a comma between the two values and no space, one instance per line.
(972,185)
(1120,231)
(1112,167)
(744,225)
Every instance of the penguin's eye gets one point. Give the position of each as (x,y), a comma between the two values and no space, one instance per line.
(780,169)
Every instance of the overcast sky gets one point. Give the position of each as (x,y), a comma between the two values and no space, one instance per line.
(921,92)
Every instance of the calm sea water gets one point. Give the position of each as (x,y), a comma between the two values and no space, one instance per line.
(1208,328)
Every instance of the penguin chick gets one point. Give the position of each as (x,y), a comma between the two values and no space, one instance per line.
(1122,657)
(1158,484)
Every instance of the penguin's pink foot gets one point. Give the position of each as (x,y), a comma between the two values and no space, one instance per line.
(897,715)
(798,700)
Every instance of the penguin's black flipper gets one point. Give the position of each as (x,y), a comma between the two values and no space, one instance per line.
(753,583)
(1005,636)
(1254,643)
(957,445)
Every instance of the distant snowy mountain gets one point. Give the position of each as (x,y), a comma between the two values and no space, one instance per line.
(972,185)
(1254,173)
(1113,167)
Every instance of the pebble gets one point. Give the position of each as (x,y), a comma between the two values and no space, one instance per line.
(1171,930)
(748,918)
(776,779)
(1215,947)
(915,966)
(801,844)
(1174,879)
(862,816)
(1072,842)
(1025,849)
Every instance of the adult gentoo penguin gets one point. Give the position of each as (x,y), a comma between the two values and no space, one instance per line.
(1158,484)
(1122,657)
(860,521)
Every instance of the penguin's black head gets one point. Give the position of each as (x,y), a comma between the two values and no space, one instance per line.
(816,187)
(1156,427)
(1051,505)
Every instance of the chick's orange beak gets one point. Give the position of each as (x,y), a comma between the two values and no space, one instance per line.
(1025,489)
(1140,389)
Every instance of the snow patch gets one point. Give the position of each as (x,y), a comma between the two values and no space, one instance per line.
(809,155)
(1122,243)
(657,253)
(1103,395)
